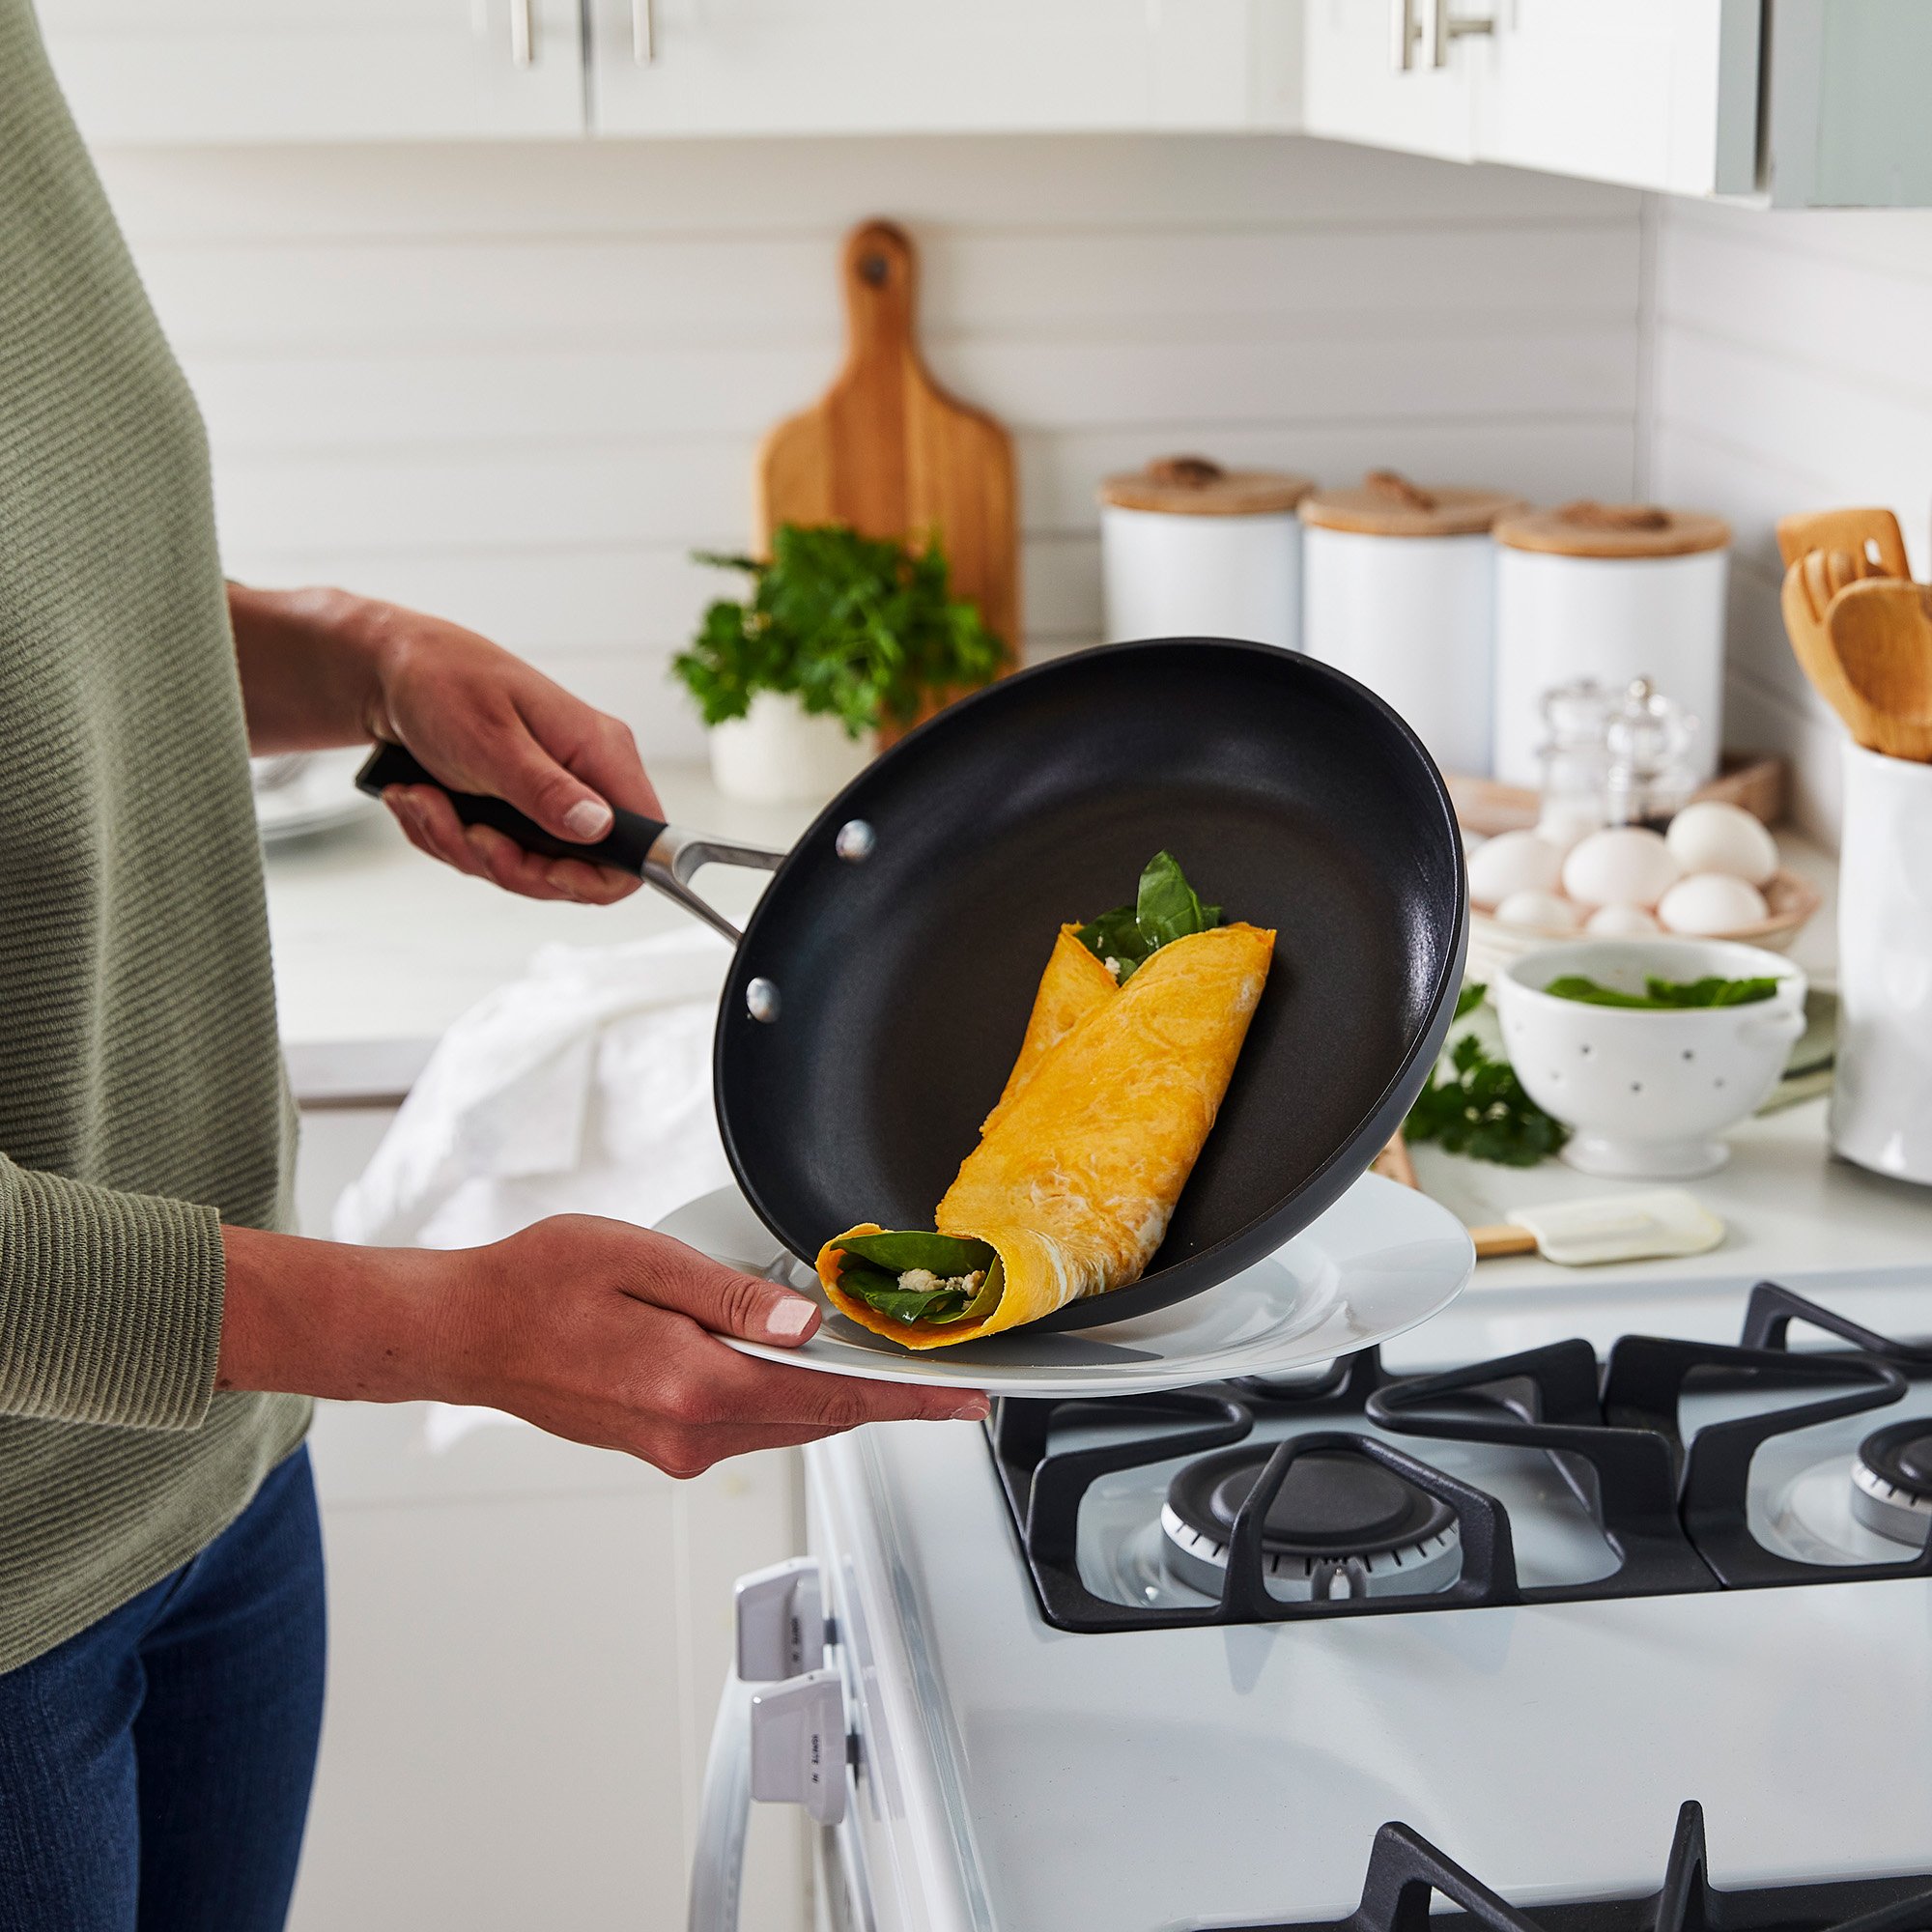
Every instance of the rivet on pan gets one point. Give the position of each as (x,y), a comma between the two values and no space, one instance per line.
(761,1000)
(855,841)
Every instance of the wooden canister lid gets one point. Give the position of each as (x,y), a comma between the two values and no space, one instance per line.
(1385,504)
(1589,529)
(1194,486)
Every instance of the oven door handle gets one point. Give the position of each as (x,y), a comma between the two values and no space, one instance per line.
(724,1812)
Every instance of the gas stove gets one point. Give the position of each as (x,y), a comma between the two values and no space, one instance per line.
(1203,1662)
(1550,1475)
(1405,1873)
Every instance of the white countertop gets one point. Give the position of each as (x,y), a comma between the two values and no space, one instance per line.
(1790,1209)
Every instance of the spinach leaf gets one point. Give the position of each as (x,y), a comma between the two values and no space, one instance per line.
(881,1291)
(1664,995)
(942,1254)
(1166,908)
(1115,936)
(904,1305)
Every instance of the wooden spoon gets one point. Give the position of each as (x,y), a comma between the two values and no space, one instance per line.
(1881,634)
(1873,537)
(1812,583)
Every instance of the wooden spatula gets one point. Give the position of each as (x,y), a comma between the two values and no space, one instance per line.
(887,451)
(1811,583)
(1880,632)
(1871,535)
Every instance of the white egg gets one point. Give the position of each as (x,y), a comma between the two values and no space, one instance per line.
(1625,865)
(1713,836)
(1711,902)
(1513,862)
(1619,921)
(1566,825)
(1542,912)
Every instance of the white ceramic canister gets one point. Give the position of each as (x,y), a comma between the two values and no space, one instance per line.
(1882,1095)
(1397,590)
(1611,592)
(1190,549)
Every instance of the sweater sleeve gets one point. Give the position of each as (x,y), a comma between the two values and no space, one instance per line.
(110,1303)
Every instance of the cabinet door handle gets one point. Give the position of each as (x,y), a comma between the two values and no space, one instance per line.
(1404,31)
(522,33)
(1452,27)
(643,33)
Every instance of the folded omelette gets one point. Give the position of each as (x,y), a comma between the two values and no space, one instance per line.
(1080,1164)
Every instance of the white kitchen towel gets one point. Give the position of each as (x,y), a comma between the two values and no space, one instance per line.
(583,1088)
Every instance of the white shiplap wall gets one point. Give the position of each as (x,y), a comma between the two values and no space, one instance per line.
(1790,371)
(517,384)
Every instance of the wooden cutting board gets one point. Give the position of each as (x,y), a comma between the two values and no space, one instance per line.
(889,452)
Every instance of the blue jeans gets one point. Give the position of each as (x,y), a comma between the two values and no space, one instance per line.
(154,1770)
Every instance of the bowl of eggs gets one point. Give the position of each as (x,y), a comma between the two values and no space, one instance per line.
(1712,874)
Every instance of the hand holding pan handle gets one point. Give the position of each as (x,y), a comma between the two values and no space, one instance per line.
(662,856)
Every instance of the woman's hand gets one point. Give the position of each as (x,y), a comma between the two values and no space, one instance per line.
(322,667)
(591,1329)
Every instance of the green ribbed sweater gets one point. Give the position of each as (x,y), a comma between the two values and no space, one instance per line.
(141,1093)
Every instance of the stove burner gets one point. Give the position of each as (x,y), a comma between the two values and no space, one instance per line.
(1341,1525)
(1406,1873)
(1891,1481)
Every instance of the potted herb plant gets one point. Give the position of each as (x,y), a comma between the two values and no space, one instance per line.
(840,636)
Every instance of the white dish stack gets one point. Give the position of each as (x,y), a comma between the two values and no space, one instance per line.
(1188,548)
(1399,593)
(1613,592)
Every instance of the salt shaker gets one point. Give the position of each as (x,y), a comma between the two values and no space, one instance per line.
(1652,770)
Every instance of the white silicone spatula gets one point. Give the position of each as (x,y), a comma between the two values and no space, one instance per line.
(1655,1224)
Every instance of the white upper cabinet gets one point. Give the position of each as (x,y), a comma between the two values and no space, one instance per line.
(760,66)
(182,70)
(1657,94)
(1393,74)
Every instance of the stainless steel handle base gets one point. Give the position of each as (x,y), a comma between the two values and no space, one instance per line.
(677,854)
(643,33)
(522,33)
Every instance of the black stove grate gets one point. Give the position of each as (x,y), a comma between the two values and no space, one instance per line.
(1675,1515)
(1406,1875)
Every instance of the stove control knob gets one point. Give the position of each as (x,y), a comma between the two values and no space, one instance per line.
(781,1621)
(798,1745)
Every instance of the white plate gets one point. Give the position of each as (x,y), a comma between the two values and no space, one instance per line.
(319,796)
(1382,1259)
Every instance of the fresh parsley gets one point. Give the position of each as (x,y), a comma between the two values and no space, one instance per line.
(1166,908)
(1474,1104)
(861,629)
(1666,995)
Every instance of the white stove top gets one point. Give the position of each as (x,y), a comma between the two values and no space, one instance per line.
(1024,1779)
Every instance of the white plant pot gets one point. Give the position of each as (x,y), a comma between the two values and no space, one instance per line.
(780,752)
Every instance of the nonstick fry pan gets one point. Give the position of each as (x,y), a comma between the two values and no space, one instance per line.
(881,986)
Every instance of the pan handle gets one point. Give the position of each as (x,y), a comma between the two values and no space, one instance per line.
(662,856)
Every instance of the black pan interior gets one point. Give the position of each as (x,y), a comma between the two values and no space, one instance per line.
(1292,796)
